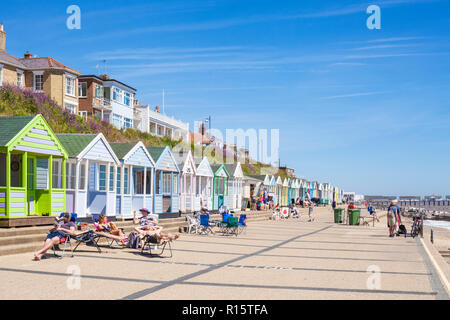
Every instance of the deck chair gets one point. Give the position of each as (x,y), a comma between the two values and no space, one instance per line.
(155,245)
(103,234)
(205,226)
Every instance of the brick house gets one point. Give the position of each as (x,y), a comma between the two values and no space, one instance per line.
(40,74)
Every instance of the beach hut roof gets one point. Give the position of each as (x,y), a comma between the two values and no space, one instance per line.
(217,168)
(186,162)
(235,169)
(204,168)
(79,145)
(75,143)
(30,133)
(127,150)
(164,158)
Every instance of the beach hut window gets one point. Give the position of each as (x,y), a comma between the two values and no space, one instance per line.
(102,178)
(82,178)
(175,183)
(220,186)
(111,178)
(118,181)
(197,185)
(42,173)
(2,170)
(167,179)
(188,184)
(148,188)
(158,182)
(139,182)
(70,175)
(30,174)
(56,174)
(125,181)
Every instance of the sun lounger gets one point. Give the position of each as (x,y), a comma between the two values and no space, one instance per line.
(151,242)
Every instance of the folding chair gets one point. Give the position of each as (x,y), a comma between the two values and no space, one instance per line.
(242,225)
(152,243)
(232,227)
(193,223)
(103,234)
(205,226)
(224,223)
(66,239)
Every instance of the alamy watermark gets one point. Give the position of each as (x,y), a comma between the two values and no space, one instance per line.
(374,280)
(73,282)
(374,21)
(74,20)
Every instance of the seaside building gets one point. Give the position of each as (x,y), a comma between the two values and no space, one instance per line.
(157,123)
(32,169)
(46,75)
(91,174)
(108,99)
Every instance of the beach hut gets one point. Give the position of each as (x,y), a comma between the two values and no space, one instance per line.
(284,193)
(251,187)
(279,189)
(166,199)
(273,189)
(133,180)
(91,170)
(205,177)
(220,186)
(188,176)
(235,185)
(32,169)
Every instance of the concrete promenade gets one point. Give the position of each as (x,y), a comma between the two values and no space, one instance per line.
(286,259)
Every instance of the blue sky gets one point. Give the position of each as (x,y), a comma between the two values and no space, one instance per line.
(367,110)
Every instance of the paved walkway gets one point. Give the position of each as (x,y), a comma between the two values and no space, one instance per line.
(288,259)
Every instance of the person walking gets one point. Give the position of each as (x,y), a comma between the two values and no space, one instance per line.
(310,211)
(393,219)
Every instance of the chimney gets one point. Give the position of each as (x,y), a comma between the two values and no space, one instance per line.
(2,39)
(105,77)
(28,55)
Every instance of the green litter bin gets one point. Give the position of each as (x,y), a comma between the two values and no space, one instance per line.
(338,215)
(353,216)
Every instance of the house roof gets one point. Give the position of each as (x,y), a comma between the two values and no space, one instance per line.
(75,143)
(11,126)
(122,149)
(35,63)
(46,63)
(11,60)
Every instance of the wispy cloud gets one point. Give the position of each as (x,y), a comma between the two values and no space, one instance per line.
(351,95)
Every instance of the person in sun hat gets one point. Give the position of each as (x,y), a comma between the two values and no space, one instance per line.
(149,226)
(393,218)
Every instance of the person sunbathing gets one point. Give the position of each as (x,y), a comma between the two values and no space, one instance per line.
(149,226)
(110,230)
(61,229)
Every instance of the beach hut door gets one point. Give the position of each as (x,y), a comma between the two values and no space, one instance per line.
(31,183)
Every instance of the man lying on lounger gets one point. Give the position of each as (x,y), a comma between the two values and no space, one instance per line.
(149,226)
(61,229)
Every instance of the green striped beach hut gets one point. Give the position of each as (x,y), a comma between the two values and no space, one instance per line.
(32,168)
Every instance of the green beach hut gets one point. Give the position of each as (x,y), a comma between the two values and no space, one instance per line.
(32,169)
(220,186)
